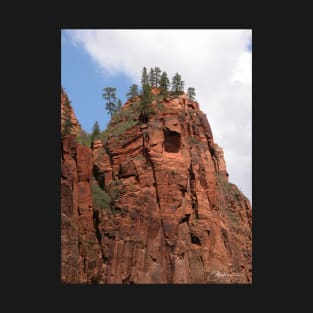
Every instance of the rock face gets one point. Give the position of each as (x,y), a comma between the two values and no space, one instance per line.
(66,108)
(81,258)
(175,218)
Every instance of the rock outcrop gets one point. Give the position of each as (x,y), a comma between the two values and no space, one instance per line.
(66,109)
(174,217)
(81,258)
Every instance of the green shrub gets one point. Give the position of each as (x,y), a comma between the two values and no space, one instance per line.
(84,138)
(68,125)
(139,157)
(121,127)
(104,136)
(232,217)
(115,117)
(101,199)
(121,122)
(237,195)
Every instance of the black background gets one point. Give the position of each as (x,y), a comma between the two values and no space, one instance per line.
(32,238)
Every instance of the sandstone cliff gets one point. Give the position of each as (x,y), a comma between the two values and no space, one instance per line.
(66,109)
(80,250)
(173,217)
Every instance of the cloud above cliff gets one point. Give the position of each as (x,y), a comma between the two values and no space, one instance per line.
(217,63)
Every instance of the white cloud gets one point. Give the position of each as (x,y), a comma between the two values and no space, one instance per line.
(215,62)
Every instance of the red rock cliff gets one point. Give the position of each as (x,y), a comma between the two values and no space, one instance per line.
(174,218)
(66,109)
(81,258)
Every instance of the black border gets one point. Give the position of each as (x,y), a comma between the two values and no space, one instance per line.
(245,286)
(39,251)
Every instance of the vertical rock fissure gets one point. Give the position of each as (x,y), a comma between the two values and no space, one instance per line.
(98,233)
(194,199)
(213,153)
(62,151)
(202,265)
(150,162)
(108,151)
(156,191)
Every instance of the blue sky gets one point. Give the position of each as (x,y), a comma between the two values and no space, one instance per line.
(217,63)
(83,82)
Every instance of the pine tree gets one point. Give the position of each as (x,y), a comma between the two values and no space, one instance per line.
(144,78)
(119,105)
(95,131)
(152,77)
(133,91)
(110,97)
(164,84)
(191,93)
(146,104)
(177,84)
(157,76)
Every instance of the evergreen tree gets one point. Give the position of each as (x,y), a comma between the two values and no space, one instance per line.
(133,91)
(119,105)
(152,77)
(144,78)
(157,76)
(68,124)
(177,84)
(110,97)
(164,84)
(84,138)
(191,93)
(95,131)
(146,104)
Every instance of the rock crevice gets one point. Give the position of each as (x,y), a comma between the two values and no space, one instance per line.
(174,217)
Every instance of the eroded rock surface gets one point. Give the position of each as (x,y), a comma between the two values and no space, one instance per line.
(175,218)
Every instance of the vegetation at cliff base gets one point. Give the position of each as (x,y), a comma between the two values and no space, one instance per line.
(84,138)
(95,131)
(101,199)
